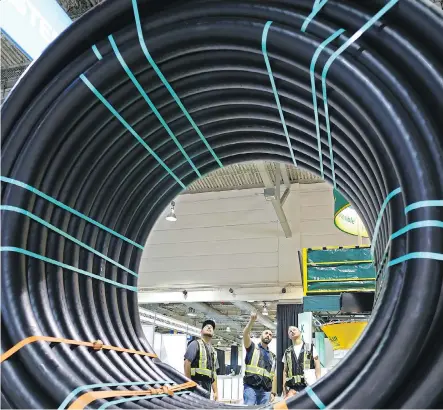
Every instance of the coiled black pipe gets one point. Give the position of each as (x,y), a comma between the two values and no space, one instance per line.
(386,103)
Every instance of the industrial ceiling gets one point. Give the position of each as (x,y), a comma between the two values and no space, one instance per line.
(230,319)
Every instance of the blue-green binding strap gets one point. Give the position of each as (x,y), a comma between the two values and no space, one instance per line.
(407,228)
(274,88)
(320,48)
(331,59)
(423,204)
(317,7)
(136,398)
(166,83)
(314,398)
(416,225)
(64,265)
(71,238)
(129,128)
(67,208)
(76,391)
(380,216)
(416,255)
(96,52)
(150,103)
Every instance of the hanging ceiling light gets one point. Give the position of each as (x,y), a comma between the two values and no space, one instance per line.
(228,329)
(218,343)
(191,312)
(265,310)
(171,216)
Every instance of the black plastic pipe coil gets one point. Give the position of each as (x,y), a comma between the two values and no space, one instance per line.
(385,97)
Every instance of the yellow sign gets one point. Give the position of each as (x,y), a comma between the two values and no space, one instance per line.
(343,335)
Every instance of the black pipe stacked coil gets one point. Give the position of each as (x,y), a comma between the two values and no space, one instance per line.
(385,96)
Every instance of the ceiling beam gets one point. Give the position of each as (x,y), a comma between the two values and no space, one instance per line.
(266,293)
(272,194)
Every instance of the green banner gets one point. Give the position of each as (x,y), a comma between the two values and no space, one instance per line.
(349,254)
(336,270)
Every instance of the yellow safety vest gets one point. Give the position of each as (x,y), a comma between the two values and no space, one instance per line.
(253,367)
(290,376)
(203,368)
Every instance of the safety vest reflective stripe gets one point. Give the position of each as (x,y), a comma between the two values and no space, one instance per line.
(202,368)
(203,372)
(289,365)
(260,371)
(307,361)
(203,360)
(255,358)
(253,367)
(296,379)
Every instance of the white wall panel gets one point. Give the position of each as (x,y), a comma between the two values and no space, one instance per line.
(217,233)
(216,277)
(233,238)
(210,262)
(201,220)
(227,247)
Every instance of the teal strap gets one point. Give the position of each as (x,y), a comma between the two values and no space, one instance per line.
(67,208)
(136,398)
(416,225)
(274,88)
(59,231)
(76,391)
(150,103)
(129,128)
(423,204)
(333,57)
(417,255)
(166,83)
(314,398)
(64,265)
(314,92)
(317,7)
(96,52)
(407,228)
(380,216)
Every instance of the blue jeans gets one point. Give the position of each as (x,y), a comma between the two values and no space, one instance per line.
(253,396)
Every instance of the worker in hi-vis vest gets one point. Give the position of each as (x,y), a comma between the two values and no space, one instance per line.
(300,356)
(201,362)
(260,381)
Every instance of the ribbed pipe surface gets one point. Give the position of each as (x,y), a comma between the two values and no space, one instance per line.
(385,95)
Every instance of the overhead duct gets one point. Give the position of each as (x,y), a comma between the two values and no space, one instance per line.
(247,307)
(153,318)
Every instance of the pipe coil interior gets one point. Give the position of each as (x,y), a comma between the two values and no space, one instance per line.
(385,96)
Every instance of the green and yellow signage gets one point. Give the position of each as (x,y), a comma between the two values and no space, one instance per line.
(346,218)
